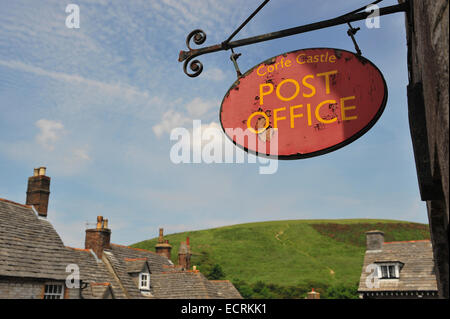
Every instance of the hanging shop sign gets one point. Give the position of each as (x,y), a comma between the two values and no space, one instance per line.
(304,103)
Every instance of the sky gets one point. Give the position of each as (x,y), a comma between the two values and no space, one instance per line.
(96,105)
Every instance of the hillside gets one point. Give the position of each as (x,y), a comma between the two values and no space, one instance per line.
(289,253)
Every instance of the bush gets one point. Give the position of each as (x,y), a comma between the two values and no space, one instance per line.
(342,292)
(262,290)
(216,273)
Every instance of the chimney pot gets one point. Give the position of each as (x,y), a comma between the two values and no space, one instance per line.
(187,241)
(99,222)
(161,235)
(42,171)
(38,191)
(374,240)
(163,248)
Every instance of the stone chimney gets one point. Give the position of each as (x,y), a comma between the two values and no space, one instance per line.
(98,239)
(184,255)
(163,248)
(374,240)
(38,191)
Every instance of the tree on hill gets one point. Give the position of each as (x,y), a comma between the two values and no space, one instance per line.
(216,273)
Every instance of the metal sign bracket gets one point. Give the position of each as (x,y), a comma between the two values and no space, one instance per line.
(199,36)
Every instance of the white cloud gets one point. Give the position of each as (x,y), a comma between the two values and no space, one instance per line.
(170,120)
(198,107)
(53,146)
(50,133)
(81,154)
(214,74)
(117,89)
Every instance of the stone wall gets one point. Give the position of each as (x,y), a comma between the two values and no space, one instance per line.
(23,288)
(428,104)
(20,289)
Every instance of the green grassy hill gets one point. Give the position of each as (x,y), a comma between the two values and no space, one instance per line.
(287,258)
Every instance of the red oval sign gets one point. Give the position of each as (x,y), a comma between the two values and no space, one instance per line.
(304,103)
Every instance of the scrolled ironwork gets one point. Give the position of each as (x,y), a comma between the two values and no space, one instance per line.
(195,65)
(198,36)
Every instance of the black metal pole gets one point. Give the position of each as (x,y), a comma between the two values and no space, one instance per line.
(245,22)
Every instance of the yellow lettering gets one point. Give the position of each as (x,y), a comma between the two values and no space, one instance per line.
(276,118)
(262,93)
(309,86)
(327,79)
(297,89)
(344,108)
(249,120)
(319,118)
(308,108)
(293,116)
(298,56)
(257,71)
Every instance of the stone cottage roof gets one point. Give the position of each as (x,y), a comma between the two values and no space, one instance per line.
(417,267)
(31,248)
(136,265)
(96,274)
(225,289)
(156,262)
(189,284)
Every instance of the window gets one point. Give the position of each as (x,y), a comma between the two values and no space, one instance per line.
(388,271)
(144,281)
(54,291)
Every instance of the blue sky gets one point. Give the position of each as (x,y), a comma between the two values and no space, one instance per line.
(95,105)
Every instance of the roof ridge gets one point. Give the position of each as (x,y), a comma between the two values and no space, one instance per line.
(136,259)
(100,283)
(407,241)
(14,203)
(180,271)
(79,249)
(220,280)
(138,249)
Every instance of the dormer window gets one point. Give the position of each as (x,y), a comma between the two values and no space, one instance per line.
(144,281)
(389,270)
